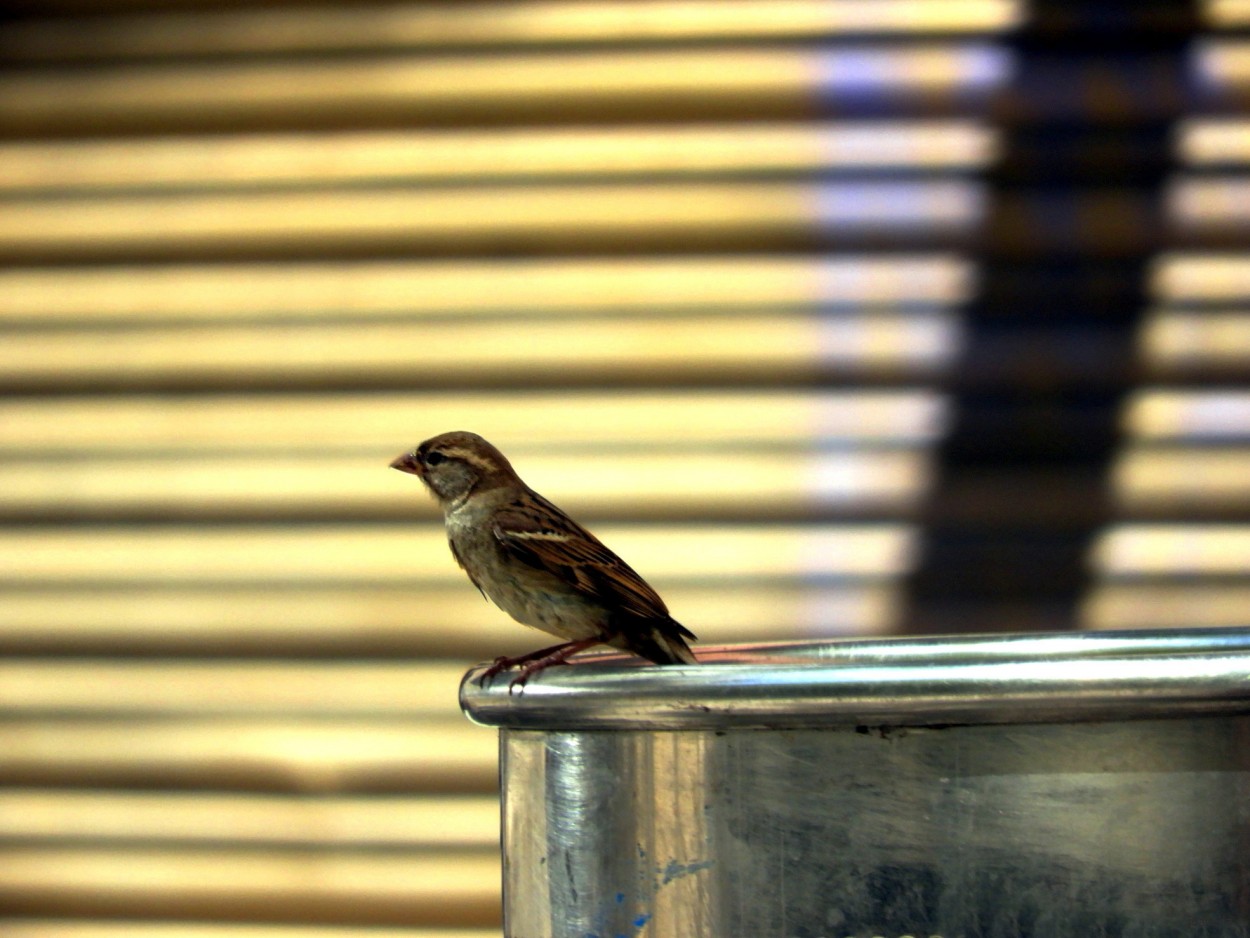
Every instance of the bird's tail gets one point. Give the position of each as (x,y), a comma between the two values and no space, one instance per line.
(664,642)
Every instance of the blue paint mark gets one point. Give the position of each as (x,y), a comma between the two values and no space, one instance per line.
(676,870)
(642,920)
(620,897)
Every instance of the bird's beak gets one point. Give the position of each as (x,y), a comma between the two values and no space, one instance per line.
(407,463)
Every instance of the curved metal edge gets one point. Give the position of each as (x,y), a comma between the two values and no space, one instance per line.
(961,680)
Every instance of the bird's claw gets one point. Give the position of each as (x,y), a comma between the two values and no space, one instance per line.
(501,664)
(534,662)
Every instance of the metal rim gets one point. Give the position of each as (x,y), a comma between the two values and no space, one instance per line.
(1060,677)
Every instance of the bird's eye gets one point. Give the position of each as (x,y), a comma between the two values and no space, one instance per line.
(434,458)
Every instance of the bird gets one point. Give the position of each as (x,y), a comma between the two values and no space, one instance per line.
(537,564)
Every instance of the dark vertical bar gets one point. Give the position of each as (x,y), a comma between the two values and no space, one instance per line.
(1075,215)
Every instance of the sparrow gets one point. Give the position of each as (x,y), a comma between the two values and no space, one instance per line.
(536,563)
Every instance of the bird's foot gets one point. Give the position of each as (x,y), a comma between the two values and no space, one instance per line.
(498,666)
(533,662)
(505,663)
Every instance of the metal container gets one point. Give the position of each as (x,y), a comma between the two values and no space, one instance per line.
(1058,786)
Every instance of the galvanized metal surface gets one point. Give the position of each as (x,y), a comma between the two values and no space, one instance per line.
(1065,801)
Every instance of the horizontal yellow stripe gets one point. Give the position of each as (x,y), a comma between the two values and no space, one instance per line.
(449,220)
(74,928)
(1227,13)
(1156,477)
(1222,63)
(209,688)
(1212,140)
(443,888)
(1210,201)
(364,27)
(307,755)
(478,155)
(453,620)
(411,821)
(727,80)
(684,485)
(782,347)
(1173,549)
(408,553)
(1164,415)
(547,286)
(386,424)
(1195,277)
(1154,606)
(1215,338)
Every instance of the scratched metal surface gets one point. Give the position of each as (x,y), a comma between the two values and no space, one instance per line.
(1040,831)
(1134,827)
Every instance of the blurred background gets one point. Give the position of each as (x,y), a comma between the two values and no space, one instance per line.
(840,318)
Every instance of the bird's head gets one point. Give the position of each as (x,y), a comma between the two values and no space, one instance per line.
(454,465)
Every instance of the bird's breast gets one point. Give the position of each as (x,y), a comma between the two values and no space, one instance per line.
(532,596)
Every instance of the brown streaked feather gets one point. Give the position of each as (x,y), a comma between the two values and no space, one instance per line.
(546,538)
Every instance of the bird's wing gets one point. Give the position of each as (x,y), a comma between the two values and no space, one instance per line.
(536,532)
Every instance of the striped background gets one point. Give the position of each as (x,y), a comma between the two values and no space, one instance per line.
(698,268)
